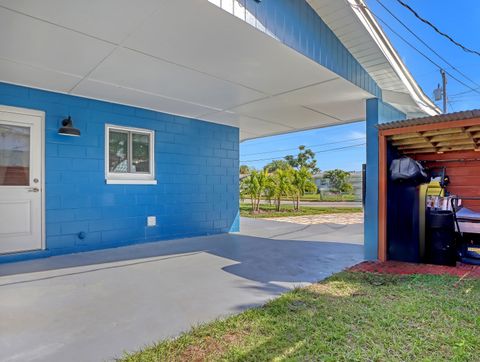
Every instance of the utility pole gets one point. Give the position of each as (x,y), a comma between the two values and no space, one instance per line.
(444,90)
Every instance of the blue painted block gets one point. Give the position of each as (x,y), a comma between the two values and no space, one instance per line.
(377,112)
(190,177)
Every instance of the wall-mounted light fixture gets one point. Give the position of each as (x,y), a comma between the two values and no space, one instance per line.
(67,128)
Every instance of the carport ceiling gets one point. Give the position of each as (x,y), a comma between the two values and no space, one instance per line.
(204,64)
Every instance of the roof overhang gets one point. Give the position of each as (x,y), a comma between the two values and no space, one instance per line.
(355,25)
(459,131)
(204,64)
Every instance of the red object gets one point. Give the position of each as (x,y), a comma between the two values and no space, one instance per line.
(402,268)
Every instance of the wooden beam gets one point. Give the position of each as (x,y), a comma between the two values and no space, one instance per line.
(420,150)
(428,140)
(455,143)
(457,148)
(382,199)
(409,141)
(403,136)
(469,133)
(474,129)
(449,137)
(440,132)
(415,146)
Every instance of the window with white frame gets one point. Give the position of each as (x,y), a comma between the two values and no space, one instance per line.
(129,155)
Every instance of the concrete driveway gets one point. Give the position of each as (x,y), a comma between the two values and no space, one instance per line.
(93,306)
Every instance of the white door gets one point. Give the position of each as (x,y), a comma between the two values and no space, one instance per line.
(20,180)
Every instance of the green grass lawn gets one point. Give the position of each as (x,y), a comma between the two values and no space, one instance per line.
(348,317)
(287,210)
(327,197)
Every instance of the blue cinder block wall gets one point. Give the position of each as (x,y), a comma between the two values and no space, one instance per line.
(377,112)
(196,166)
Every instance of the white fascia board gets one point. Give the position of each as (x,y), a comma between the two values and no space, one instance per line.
(371,25)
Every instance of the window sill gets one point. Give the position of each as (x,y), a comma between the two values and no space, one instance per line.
(131,182)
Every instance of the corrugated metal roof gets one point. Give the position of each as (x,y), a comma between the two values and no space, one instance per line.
(456,116)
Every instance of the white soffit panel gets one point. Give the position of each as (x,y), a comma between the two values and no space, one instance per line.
(134,97)
(221,45)
(287,114)
(13,72)
(336,89)
(254,125)
(30,41)
(134,70)
(110,20)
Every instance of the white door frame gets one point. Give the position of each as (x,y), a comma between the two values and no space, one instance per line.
(41,114)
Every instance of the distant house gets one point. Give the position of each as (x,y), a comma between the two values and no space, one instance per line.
(323,184)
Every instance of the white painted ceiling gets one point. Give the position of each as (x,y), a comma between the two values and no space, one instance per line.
(184,57)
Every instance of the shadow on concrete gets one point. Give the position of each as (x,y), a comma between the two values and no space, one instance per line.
(259,259)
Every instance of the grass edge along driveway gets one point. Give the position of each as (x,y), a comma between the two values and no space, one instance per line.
(347,317)
(268,211)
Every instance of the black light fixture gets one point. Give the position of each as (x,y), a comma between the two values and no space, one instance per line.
(67,128)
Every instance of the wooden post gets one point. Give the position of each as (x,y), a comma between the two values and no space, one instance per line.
(382,197)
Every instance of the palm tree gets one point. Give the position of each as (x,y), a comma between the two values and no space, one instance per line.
(250,186)
(255,185)
(282,180)
(302,180)
(264,181)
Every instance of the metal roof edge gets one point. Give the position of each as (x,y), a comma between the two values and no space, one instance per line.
(440,118)
(378,35)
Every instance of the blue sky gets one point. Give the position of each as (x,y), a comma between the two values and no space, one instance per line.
(459,19)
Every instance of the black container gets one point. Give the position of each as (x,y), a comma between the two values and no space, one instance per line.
(403,222)
(403,217)
(441,238)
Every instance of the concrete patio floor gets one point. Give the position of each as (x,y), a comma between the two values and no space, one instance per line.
(93,306)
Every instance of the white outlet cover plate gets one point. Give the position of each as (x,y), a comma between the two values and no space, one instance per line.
(151,221)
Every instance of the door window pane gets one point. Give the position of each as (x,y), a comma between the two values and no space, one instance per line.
(14,155)
(118,152)
(140,153)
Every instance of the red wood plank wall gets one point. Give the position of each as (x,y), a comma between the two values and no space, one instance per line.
(464,172)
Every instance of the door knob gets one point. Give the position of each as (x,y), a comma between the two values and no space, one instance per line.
(33,189)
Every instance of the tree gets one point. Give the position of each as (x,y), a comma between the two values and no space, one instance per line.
(282,185)
(244,170)
(249,186)
(264,181)
(255,185)
(305,158)
(276,165)
(302,181)
(338,180)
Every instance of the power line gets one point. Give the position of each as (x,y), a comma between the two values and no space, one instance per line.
(414,48)
(468,50)
(424,55)
(426,44)
(463,96)
(321,151)
(451,106)
(296,148)
(464,92)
